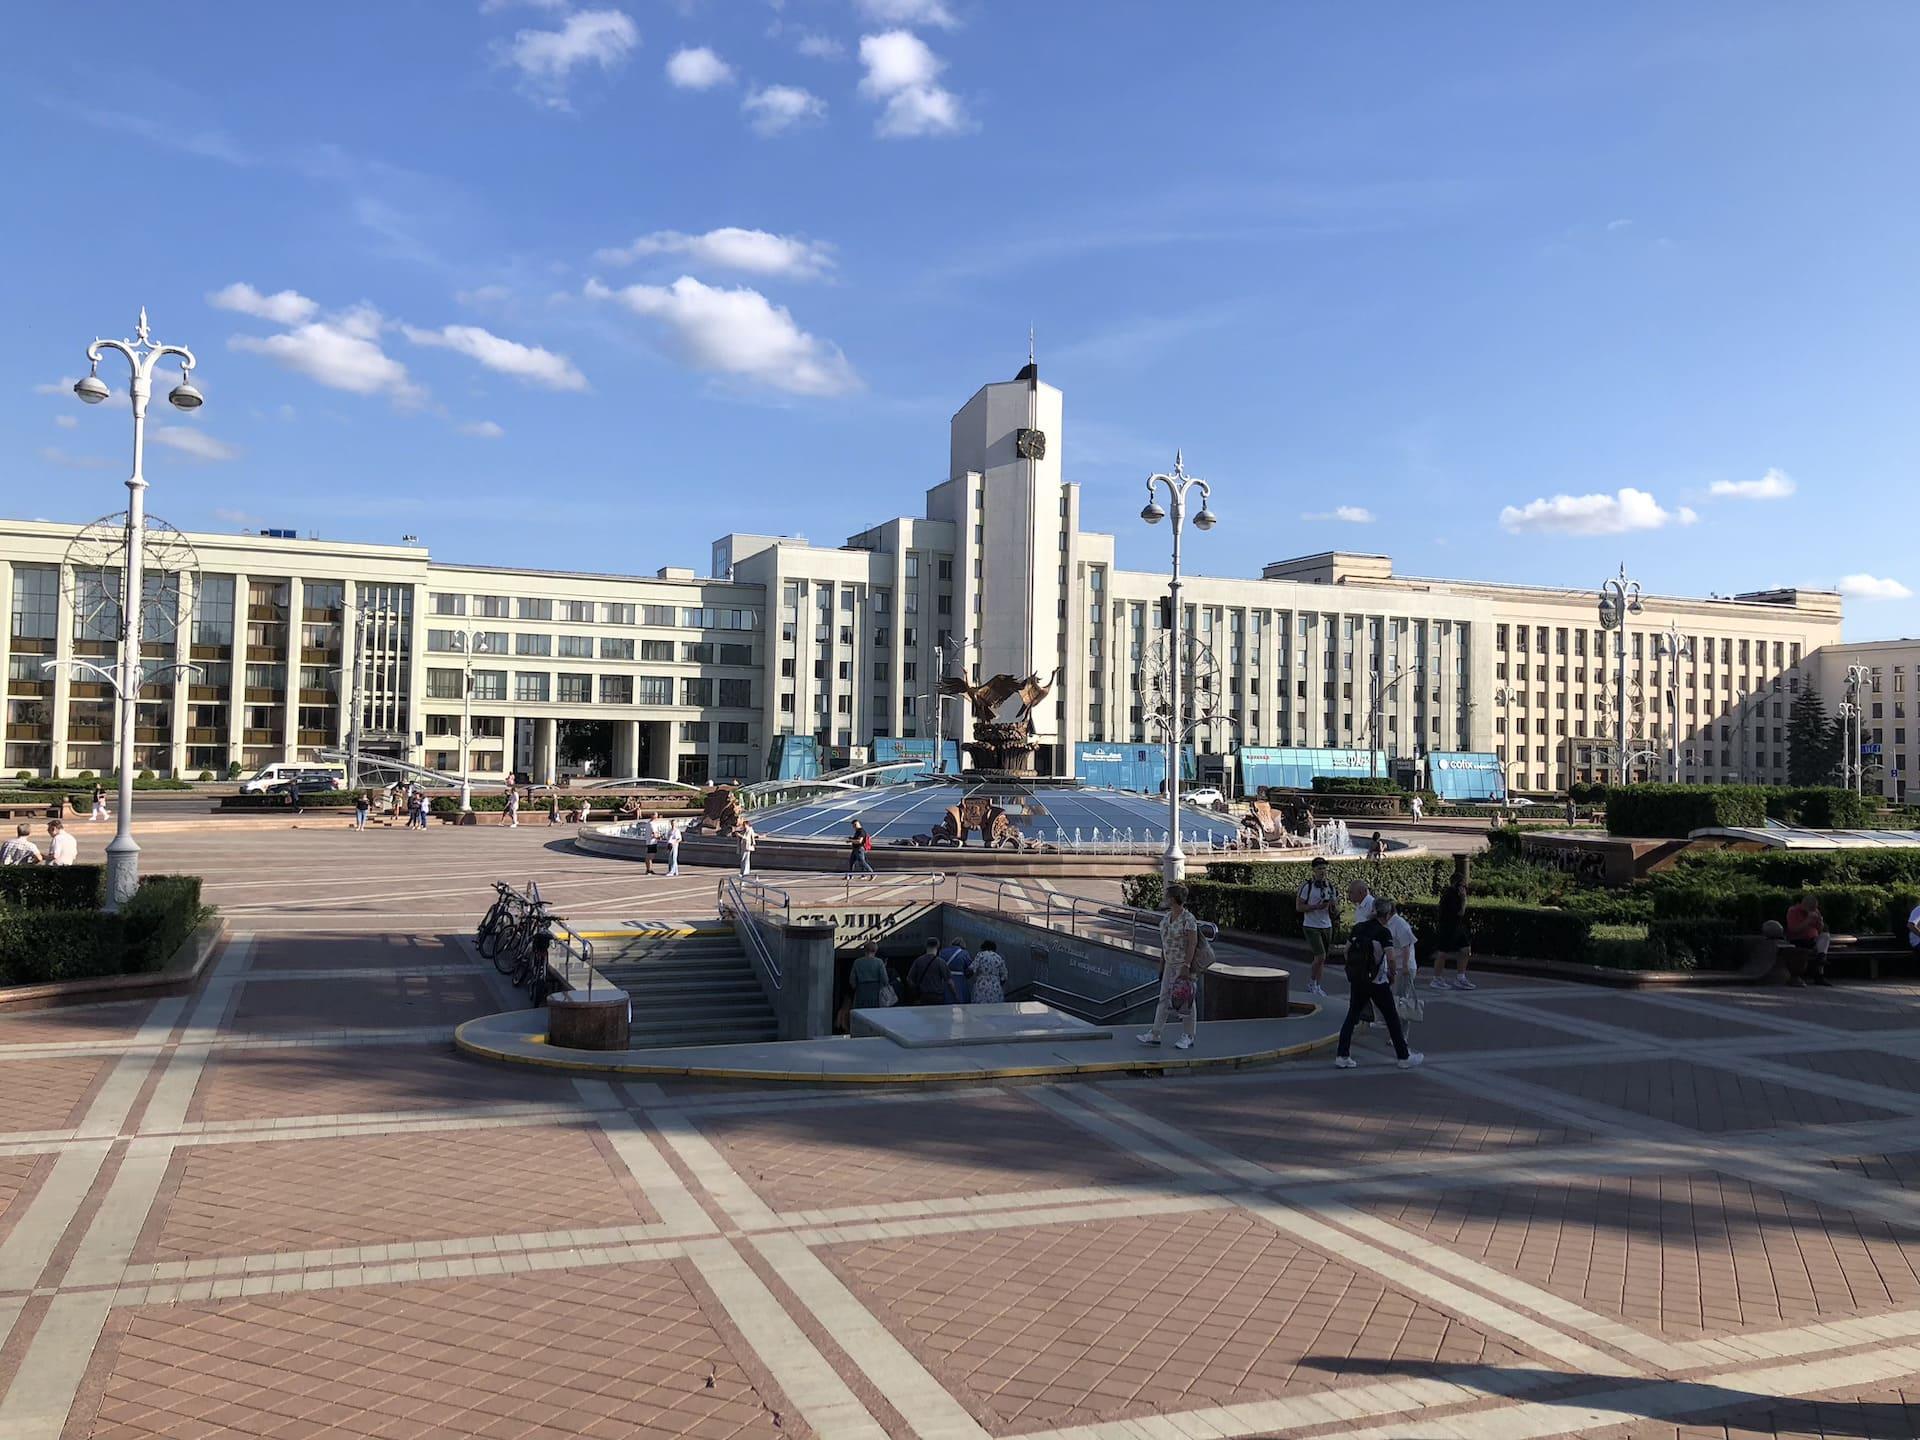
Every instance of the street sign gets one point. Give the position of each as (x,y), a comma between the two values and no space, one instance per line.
(1870,749)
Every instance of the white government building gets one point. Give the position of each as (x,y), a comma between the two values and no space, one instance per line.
(701,678)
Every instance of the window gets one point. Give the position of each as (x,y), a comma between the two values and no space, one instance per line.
(532,609)
(736,694)
(489,684)
(729,767)
(657,615)
(612,614)
(616,689)
(656,690)
(696,692)
(656,650)
(611,649)
(577,612)
(576,647)
(946,570)
(576,689)
(533,644)
(694,732)
(720,618)
(732,732)
(491,607)
(439,604)
(913,567)
(212,608)
(531,685)
(445,641)
(736,654)
(696,652)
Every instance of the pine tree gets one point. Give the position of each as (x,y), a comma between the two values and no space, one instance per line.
(1814,741)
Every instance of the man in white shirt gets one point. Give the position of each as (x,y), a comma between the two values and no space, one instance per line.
(62,848)
(1316,903)
(1360,896)
(20,850)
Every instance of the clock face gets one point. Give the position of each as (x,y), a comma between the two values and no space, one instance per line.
(1031,444)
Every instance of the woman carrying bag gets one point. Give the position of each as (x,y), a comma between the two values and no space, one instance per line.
(1179,966)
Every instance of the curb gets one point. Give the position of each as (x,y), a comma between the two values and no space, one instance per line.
(1146,1065)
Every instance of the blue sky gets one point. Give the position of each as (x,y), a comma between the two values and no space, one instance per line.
(1533,288)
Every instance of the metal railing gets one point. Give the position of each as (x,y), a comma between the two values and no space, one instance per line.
(779,902)
(569,953)
(738,900)
(1087,1007)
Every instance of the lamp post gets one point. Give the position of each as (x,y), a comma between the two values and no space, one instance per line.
(940,653)
(1676,647)
(143,354)
(1504,697)
(1377,714)
(470,646)
(1853,773)
(1173,862)
(1619,598)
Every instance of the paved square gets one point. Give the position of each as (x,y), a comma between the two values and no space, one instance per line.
(1069,1324)
(274,1195)
(1590,1214)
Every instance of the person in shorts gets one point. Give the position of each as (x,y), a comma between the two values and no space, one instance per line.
(1318,904)
(1453,937)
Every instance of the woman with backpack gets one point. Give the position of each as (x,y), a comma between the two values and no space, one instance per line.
(1179,965)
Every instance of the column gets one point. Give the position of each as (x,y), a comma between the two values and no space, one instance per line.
(350,657)
(62,681)
(631,729)
(545,767)
(6,657)
(182,679)
(296,646)
(237,676)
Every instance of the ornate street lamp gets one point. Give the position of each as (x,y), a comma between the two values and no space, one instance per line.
(1173,862)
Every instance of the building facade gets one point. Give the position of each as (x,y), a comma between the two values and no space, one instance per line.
(1885,693)
(692,678)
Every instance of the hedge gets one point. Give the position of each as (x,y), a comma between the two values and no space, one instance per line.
(1405,878)
(1799,867)
(39,945)
(51,887)
(1676,811)
(1354,785)
(1855,909)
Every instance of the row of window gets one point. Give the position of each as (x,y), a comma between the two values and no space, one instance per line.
(540,686)
(1642,642)
(585,647)
(585,612)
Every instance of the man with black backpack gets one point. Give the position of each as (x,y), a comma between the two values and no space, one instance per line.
(1368,983)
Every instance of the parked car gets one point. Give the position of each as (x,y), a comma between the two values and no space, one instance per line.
(275,777)
(1207,797)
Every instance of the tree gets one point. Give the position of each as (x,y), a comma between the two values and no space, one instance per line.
(1814,739)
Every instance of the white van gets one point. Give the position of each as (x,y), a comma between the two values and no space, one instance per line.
(272,777)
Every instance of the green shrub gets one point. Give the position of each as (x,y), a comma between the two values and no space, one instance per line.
(205,776)
(85,775)
(1625,947)
(158,919)
(51,887)
(1849,909)
(1696,944)
(40,945)
(1676,811)
(1404,878)
(1818,807)
(233,770)
(1354,785)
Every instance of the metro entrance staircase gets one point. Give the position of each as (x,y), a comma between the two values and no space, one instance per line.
(694,988)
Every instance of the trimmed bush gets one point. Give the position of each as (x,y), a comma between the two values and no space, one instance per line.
(1355,785)
(1407,878)
(40,945)
(51,887)
(1823,807)
(1676,811)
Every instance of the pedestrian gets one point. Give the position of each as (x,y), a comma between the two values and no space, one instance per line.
(1453,935)
(989,975)
(1418,807)
(99,803)
(859,844)
(513,806)
(1377,847)
(1360,896)
(1807,929)
(748,839)
(1403,968)
(586,815)
(674,833)
(869,978)
(1179,991)
(1573,814)
(21,850)
(62,848)
(654,833)
(1318,905)
(927,979)
(553,810)
(360,809)
(1369,984)
(959,971)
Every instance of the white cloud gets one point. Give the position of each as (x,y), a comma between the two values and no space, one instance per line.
(67,422)
(1872,587)
(546,59)
(739,333)
(283,307)
(54,455)
(1616,226)
(909,12)
(1630,509)
(482,295)
(781,107)
(698,69)
(63,386)
(197,443)
(530,363)
(1347,514)
(757,252)
(902,71)
(1774,485)
(341,352)
(820,47)
(483,430)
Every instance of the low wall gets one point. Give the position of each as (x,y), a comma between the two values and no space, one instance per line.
(803,1000)
(1599,859)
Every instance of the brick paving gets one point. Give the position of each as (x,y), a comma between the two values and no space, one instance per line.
(1595,1215)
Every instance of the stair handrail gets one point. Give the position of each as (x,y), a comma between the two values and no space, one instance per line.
(1114,1007)
(733,888)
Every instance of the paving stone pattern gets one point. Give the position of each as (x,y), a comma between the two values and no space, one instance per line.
(1618,1216)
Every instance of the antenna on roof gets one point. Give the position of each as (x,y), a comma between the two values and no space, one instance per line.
(1030,344)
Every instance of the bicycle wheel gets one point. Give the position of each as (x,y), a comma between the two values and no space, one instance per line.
(513,944)
(487,938)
